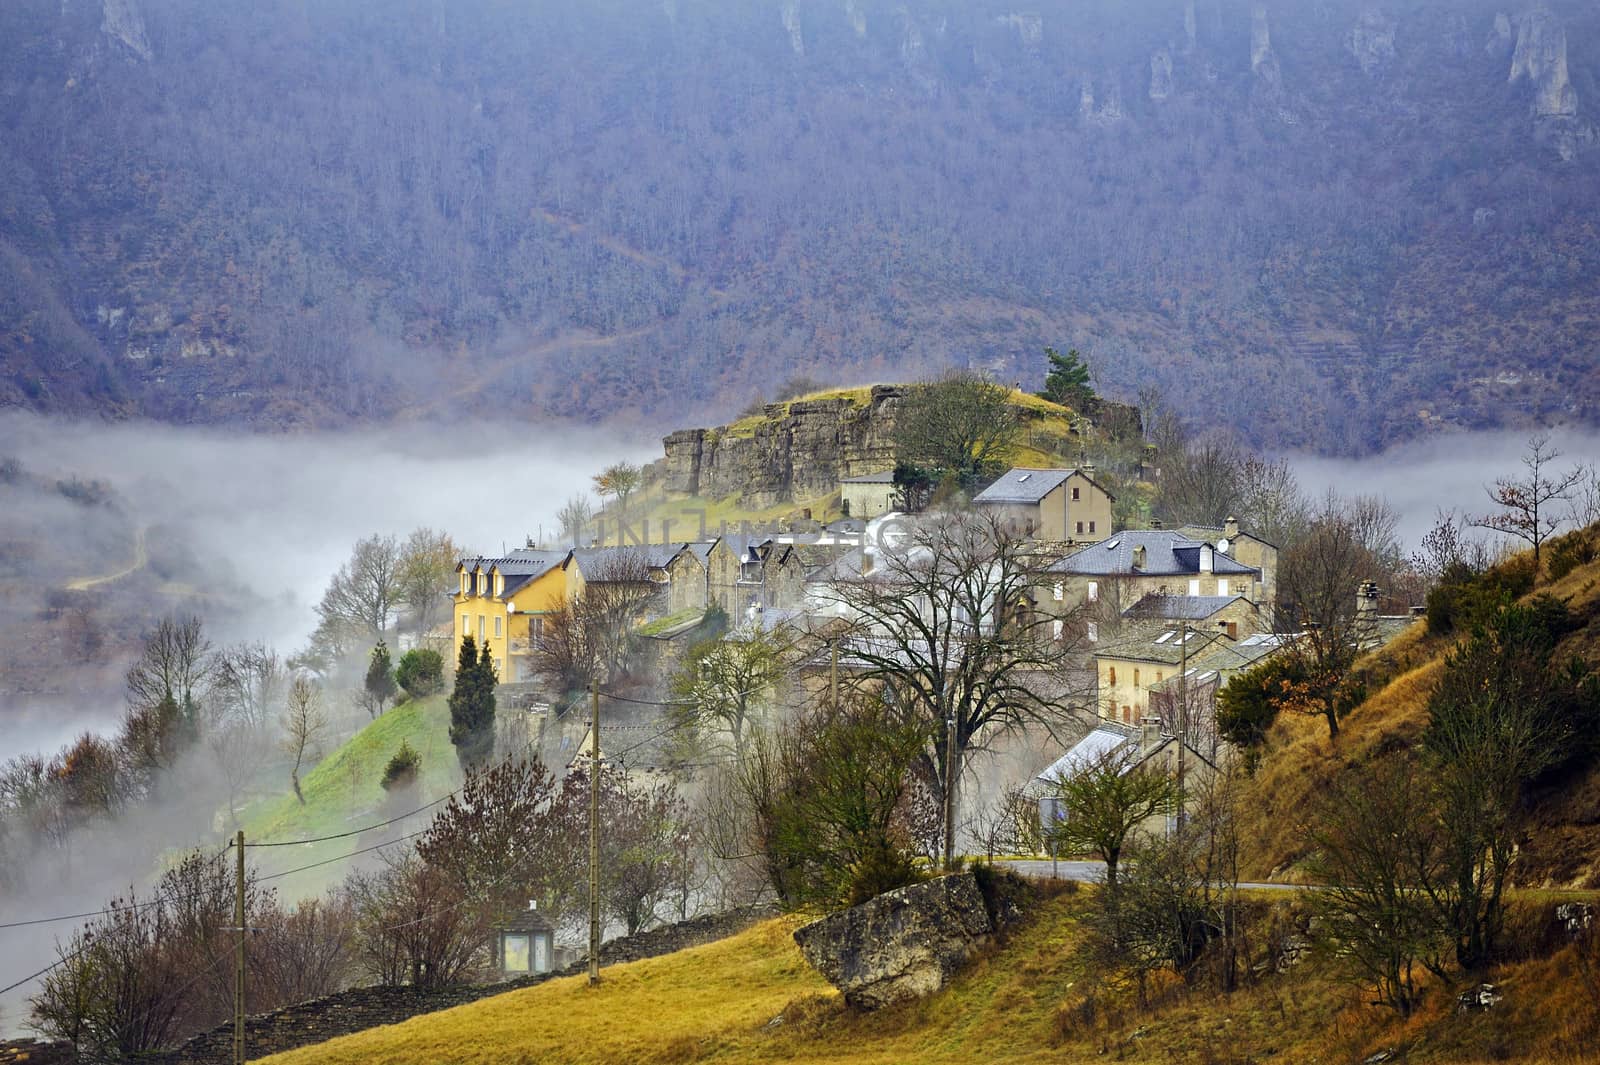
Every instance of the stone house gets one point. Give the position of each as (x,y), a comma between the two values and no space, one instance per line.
(1051,504)
(868,495)
(1169,658)
(1245,547)
(1135,563)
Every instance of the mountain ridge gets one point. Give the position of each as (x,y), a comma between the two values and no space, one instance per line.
(1331,228)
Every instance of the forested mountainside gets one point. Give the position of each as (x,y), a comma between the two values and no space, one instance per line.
(1329,223)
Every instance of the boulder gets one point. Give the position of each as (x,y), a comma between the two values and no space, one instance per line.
(901,945)
(1478,999)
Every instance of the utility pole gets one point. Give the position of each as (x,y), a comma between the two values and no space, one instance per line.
(594,832)
(949,793)
(833,678)
(238,963)
(1183,712)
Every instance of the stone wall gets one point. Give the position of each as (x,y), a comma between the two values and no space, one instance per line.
(797,451)
(361,1008)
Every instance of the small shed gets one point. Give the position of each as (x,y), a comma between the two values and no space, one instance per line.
(525,944)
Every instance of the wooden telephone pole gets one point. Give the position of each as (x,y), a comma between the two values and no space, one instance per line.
(238,961)
(594,832)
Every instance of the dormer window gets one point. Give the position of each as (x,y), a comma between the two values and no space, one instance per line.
(466,582)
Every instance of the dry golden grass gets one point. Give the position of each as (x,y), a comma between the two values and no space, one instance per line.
(1021,1004)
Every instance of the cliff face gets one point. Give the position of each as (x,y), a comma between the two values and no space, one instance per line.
(797,451)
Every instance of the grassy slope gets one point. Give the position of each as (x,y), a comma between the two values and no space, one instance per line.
(1564,852)
(343,792)
(719,1003)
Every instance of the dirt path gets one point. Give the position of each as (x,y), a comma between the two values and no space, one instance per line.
(140,557)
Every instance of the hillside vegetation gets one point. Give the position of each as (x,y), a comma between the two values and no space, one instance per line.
(752,998)
(1332,227)
(1562,846)
(344,791)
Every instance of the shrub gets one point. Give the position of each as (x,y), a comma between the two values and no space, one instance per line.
(421,672)
(402,770)
(1569,552)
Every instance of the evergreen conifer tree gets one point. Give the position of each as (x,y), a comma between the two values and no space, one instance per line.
(380,683)
(472,705)
(1067,381)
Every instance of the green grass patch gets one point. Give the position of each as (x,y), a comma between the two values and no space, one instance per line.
(344,792)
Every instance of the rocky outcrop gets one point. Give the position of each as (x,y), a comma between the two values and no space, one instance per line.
(796,451)
(1161,75)
(1541,57)
(1371,41)
(901,945)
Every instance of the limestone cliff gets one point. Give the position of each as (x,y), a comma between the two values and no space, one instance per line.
(796,450)
(1541,58)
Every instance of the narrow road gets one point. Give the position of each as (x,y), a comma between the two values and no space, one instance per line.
(140,557)
(1093,872)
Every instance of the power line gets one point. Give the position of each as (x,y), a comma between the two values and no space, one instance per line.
(354,831)
(130,907)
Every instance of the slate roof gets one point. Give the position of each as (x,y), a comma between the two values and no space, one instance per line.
(518,567)
(1215,533)
(1160,644)
(1167,554)
(1228,656)
(1101,741)
(1180,607)
(1023,485)
(881,477)
(655,556)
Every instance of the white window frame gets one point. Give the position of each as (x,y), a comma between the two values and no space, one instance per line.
(1222,586)
(1094,591)
(1093,631)
(1194,587)
(1059,592)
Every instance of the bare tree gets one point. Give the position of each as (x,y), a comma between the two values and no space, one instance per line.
(424,575)
(1201,484)
(303,723)
(945,624)
(1318,580)
(1527,506)
(246,683)
(593,636)
(413,925)
(1586,497)
(575,515)
(174,666)
(1270,503)
(361,598)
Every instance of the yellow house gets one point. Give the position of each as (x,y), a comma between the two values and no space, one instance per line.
(502,603)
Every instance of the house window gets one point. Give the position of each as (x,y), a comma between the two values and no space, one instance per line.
(466,583)
(1055,629)
(536,629)
(1080,528)
(1094,591)
(1059,592)
(1074,493)
(1136,678)
(1222,586)
(1091,528)
(1093,631)
(499,667)
(466,625)
(497,623)
(1113,677)
(480,628)
(1194,587)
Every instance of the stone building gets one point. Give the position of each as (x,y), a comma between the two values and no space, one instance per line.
(1057,504)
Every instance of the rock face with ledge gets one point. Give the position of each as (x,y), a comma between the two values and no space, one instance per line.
(901,945)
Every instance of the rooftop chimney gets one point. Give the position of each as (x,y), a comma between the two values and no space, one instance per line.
(1149,733)
(1230,528)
